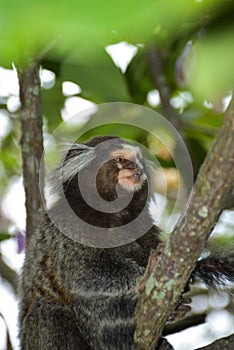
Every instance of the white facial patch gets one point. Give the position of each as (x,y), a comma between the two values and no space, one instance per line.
(131,153)
(136,152)
(130,179)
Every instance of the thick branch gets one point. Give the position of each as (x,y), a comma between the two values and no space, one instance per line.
(161,292)
(31,142)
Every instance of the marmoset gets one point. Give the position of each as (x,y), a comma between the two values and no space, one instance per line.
(75,292)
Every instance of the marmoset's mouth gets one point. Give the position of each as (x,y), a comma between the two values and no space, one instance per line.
(131,179)
(137,173)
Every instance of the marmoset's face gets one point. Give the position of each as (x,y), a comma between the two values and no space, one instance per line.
(109,164)
(130,168)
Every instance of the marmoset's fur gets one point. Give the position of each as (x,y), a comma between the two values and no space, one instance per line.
(79,297)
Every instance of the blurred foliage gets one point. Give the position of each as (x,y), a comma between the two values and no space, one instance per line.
(71,30)
(27,27)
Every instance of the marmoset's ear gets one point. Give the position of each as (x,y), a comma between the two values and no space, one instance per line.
(74,158)
(77,158)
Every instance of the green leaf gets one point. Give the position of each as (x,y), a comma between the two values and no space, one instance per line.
(4,236)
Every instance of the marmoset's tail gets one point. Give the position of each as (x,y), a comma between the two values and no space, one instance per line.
(216,271)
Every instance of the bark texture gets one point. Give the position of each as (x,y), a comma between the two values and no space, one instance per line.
(31,142)
(169,269)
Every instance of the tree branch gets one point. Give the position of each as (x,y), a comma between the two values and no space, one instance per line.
(31,142)
(159,294)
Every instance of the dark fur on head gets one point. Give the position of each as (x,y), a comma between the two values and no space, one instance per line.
(79,160)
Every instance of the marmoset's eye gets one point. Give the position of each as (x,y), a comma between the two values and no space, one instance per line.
(119,159)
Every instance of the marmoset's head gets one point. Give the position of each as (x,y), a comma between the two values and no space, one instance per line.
(108,161)
(106,184)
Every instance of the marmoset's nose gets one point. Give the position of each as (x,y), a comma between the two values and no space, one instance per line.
(136,171)
(130,165)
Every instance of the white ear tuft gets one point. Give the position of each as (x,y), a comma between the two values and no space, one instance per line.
(80,157)
(75,158)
